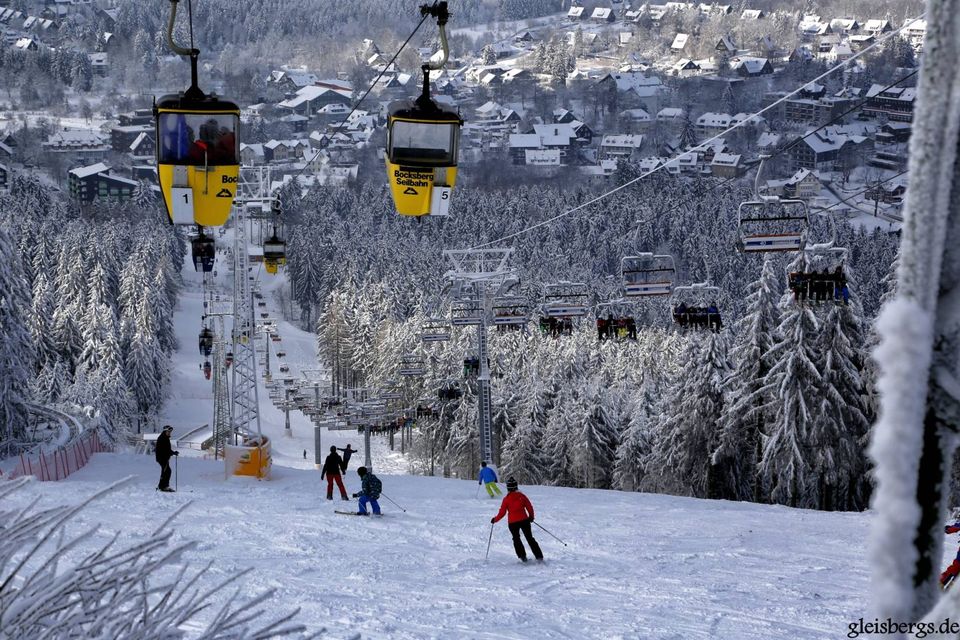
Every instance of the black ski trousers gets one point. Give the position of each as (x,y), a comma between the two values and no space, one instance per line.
(515,529)
(165,473)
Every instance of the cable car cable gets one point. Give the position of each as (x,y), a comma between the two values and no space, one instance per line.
(323,139)
(872,186)
(777,152)
(675,159)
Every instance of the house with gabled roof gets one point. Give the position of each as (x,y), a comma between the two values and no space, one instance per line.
(725,45)
(680,42)
(753,14)
(95,182)
(877,26)
(575,13)
(309,99)
(750,67)
(601,14)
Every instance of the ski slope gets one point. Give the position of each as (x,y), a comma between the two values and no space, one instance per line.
(636,565)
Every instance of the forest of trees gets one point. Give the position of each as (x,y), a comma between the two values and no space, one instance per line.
(86,308)
(775,408)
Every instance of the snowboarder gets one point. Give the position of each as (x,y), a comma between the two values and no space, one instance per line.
(488,478)
(520,511)
(346,457)
(951,572)
(331,469)
(369,492)
(164,452)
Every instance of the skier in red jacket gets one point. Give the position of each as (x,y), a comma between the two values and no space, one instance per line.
(520,516)
(951,572)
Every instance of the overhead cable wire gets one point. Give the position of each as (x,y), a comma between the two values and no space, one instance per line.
(777,152)
(325,137)
(730,129)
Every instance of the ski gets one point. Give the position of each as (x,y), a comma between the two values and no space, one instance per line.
(354,513)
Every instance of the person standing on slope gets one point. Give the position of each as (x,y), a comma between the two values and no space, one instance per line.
(370,488)
(331,469)
(951,572)
(520,511)
(488,478)
(164,452)
(346,457)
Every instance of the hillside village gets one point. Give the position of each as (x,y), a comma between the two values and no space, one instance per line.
(573,95)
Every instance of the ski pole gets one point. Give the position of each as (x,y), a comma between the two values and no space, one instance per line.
(391,500)
(489,540)
(176,473)
(545,529)
(477,494)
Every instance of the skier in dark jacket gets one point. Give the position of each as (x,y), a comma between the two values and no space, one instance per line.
(950,573)
(164,452)
(520,511)
(331,469)
(346,457)
(369,492)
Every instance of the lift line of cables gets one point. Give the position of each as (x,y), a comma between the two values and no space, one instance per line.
(676,158)
(779,151)
(324,139)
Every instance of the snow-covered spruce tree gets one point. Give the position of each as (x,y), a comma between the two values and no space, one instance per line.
(742,421)
(560,437)
(680,462)
(792,384)
(523,456)
(17,355)
(635,445)
(596,439)
(837,435)
(114,592)
(462,453)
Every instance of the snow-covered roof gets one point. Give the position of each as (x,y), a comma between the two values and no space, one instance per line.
(726,159)
(637,115)
(524,141)
(768,140)
(670,113)
(79,138)
(877,25)
(906,94)
(93,169)
(750,64)
(752,14)
(711,119)
(575,12)
(622,140)
(600,13)
(632,80)
(680,41)
(308,94)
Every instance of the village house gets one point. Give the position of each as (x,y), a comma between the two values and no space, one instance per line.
(143,147)
(726,165)
(711,124)
(80,144)
(122,136)
(620,146)
(308,100)
(4,177)
(547,145)
(749,66)
(95,182)
(603,15)
(894,103)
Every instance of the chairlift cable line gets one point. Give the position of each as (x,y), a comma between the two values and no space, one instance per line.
(872,186)
(776,153)
(321,144)
(676,158)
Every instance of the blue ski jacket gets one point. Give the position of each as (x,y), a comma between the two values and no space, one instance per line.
(487,475)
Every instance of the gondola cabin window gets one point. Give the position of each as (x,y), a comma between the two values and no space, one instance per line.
(198,139)
(424,143)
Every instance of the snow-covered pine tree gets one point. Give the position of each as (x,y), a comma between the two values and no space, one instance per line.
(635,445)
(596,440)
(792,384)
(687,434)
(742,421)
(17,356)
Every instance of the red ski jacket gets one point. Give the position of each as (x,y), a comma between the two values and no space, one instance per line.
(517,505)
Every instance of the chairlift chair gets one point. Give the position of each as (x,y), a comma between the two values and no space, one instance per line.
(465,313)
(274,253)
(412,365)
(206,342)
(615,321)
(435,330)
(511,311)
(565,300)
(771,223)
(824,279)
(647,274)
(695,306)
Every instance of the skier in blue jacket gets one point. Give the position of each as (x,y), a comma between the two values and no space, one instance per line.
(488,478)
(370,488)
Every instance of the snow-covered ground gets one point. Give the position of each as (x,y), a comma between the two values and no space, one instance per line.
(636,565)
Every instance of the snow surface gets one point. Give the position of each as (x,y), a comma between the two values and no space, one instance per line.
(636,566)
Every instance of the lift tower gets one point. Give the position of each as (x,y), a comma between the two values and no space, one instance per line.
(478,275)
